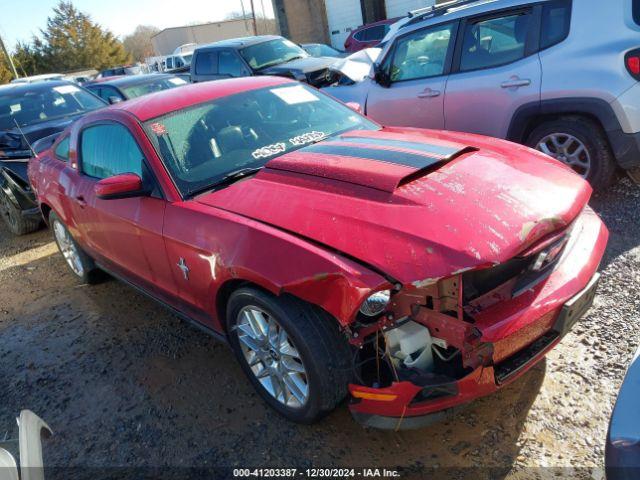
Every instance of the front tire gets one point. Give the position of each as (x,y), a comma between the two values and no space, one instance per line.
(77,260)
(579,143)
(13,218)
(292,352)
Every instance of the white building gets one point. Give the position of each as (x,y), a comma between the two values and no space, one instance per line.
(343,16)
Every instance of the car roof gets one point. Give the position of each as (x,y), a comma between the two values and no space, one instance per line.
(20,88)
(167,101)
(239,42)
(463,8)
(128,80)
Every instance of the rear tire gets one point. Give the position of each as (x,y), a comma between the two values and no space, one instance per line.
(81,264)
(311,342)
(17,224)
(564,137)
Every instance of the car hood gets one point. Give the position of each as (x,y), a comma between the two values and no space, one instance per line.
(14,145)
(300,65)
(358,65)
(414,204)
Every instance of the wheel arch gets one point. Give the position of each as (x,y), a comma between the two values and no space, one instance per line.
(224,293)
(46,209)
(530,116)
(338,294)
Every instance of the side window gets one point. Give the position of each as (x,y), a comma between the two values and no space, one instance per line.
(62,150)
(230,64)
(95,90)
(375,33)
(421,54)
(169,62)
(179,62)
(556,19)
(495,41)
(636,11)
(105,92)
(207,63)
(108,150)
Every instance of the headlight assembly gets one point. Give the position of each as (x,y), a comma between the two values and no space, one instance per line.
(376,303)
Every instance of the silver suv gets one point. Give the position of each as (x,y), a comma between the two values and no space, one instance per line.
(561,76)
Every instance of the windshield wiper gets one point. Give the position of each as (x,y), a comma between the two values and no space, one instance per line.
(280,62)
(227,180)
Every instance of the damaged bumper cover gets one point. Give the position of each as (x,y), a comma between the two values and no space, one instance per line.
(515,334)
(16,188)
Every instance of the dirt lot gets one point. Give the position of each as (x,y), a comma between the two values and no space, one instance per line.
(122,382)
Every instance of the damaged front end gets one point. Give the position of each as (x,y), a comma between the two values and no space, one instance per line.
(15,189)
(439,343)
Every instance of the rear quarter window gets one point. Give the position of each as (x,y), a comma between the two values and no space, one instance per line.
(636,11)
(556,21)
(62,150)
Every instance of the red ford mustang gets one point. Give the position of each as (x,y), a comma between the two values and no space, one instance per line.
(415,269)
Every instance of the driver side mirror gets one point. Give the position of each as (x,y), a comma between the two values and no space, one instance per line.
(113,99)
(126,185)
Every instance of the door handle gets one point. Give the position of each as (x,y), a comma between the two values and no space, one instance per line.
(429,93)
(81,201)
(516,83)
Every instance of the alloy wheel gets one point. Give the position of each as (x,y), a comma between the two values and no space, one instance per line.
(68,248)
(569,150)
(272,357)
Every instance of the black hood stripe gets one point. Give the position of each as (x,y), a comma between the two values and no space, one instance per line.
(413,160)
(429,149)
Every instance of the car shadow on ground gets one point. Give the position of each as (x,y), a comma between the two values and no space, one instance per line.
(123,382)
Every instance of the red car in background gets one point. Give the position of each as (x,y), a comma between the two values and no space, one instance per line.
(369,35)
(415,269)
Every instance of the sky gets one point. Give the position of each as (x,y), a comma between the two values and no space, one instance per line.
(20,19)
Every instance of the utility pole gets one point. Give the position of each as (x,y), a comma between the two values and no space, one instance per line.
(10,60)
(253,16)
(244,14)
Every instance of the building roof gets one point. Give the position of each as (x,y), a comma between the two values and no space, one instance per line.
(233,20)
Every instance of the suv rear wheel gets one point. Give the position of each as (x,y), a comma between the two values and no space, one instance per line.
(292,352)
(579,143)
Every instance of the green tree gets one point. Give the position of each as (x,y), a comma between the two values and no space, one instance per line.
(138,44)
(72,41)
(28,60)
(5,70)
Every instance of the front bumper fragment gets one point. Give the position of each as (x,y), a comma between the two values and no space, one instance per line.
(522,333)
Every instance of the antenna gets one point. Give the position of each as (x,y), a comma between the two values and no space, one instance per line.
(25,139)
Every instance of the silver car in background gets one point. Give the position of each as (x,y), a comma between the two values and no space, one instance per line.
(561,76)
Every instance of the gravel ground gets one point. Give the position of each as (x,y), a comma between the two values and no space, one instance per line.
(123,383)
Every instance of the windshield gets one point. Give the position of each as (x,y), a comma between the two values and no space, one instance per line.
(270,53)
(151,86)
(42,104)
(202,144)
(327,51)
